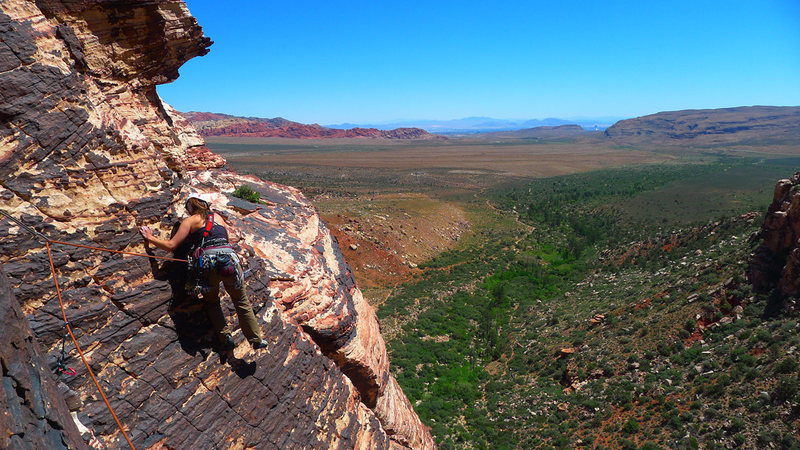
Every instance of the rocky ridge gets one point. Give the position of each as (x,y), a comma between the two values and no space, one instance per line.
(544,132)
(88,152)
(212,124)
(775,264)
(746,125)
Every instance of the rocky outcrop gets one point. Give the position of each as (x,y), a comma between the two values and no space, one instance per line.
(751,125)
(776,262)
(211,124)
(88,152)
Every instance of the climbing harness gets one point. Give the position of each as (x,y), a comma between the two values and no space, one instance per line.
(211,255)
(195,284)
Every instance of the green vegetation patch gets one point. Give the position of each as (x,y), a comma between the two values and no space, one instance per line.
(246,192)
(581,315)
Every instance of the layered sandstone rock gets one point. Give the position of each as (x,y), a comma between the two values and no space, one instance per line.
(776,262)
(88,152)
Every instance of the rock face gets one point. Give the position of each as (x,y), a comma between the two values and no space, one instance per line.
(776,262)
(36,415)
(88,152)
(754,125)
(211,124)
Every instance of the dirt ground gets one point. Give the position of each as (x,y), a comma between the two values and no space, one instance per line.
(385,237)
(457,157)
(392,205)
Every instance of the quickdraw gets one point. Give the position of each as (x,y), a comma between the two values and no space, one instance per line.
(67,370)
(60,362)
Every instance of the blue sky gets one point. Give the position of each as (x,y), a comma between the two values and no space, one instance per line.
(375,61)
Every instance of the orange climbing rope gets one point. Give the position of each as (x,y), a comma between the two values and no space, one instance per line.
(53,241)
(78,347)
(116,251)
(47,242)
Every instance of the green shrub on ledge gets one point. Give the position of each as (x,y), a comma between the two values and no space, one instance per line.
(246,192)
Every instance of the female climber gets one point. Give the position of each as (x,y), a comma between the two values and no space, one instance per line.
(206,230)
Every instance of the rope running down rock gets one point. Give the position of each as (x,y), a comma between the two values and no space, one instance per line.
(47,242)
(78,347)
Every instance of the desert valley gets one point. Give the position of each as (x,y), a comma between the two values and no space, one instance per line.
(466,283)
(555,286)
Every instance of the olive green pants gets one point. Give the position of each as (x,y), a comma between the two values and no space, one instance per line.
(244,309)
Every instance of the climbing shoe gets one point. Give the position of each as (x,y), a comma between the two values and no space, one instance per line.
(225,344)
(261,343)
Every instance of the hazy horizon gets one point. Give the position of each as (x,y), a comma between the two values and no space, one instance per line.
(425,120)
(378,63)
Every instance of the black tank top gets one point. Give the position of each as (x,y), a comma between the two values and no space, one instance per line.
(218,235)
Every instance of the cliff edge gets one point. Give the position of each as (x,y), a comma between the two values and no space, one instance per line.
(89,152)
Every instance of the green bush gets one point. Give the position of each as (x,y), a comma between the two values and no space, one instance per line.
(763,335)
(766,437)
(788,365)
(785,389)
(737,425)
(630,427)
(246,192)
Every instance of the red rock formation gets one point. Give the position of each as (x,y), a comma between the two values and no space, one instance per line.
(776,262)
(88,151)
(211,124)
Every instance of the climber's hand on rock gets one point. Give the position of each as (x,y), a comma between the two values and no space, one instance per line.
(146,233)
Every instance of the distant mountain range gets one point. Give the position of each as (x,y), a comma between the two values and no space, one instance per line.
(745,125)
(470,125)
(214,124)
(742,126)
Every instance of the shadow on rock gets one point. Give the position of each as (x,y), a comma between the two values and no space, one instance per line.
(187,310)
(241,368)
